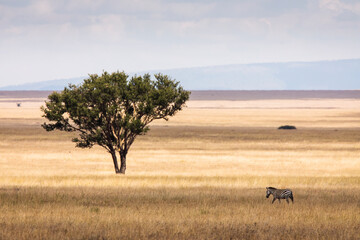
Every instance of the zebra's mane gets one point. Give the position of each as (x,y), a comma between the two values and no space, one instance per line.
(271,188)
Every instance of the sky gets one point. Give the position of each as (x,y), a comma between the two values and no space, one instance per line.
(44,40)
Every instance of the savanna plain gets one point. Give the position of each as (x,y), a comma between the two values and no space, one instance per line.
(201,175)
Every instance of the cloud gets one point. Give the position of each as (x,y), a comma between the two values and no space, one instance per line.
(42,7)
(338,6)
(71,38)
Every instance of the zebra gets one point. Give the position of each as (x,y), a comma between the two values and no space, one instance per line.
(279,194)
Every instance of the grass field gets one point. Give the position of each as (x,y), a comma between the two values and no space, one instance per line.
(202,175)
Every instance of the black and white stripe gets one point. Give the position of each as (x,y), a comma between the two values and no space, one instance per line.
(279,194)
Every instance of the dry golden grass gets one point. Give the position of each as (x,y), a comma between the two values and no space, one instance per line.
(181,213)
(202,175)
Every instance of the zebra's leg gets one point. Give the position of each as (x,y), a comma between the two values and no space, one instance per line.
(279,200)
(273,200)
(287,200)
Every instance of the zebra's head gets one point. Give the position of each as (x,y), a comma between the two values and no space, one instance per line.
(269,191)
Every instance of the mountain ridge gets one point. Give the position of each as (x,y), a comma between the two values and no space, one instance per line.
(318,75)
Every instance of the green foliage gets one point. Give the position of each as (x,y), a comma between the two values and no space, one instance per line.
(112,109)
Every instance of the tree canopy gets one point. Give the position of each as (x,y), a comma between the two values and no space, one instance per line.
(111,110)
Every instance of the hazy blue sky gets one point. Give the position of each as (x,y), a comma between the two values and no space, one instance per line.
(42,40)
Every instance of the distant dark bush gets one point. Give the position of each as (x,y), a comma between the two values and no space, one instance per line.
(287,127)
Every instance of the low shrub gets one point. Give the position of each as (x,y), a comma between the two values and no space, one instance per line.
(287,127)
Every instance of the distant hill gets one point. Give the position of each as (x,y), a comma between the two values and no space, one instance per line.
(321,75)
(58,84)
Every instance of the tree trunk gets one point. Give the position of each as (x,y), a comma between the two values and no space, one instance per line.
(116,166)
(123,163)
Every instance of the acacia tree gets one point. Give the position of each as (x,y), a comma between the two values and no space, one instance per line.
(111,110)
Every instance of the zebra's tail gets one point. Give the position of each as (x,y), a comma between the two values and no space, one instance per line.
(292,197)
